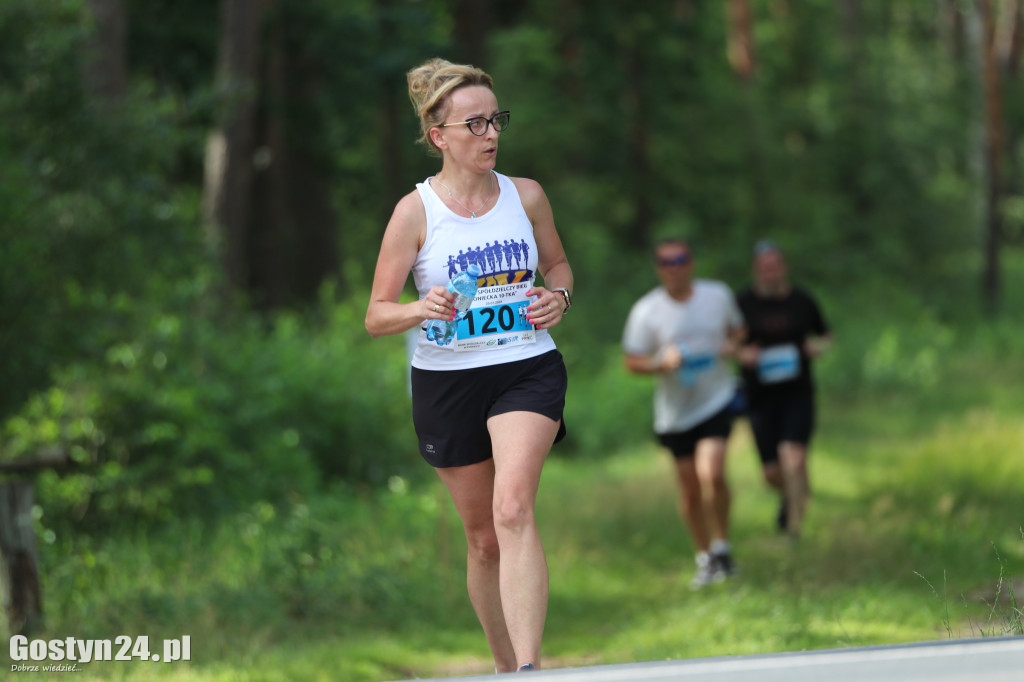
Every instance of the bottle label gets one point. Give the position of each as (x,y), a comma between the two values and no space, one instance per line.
(778,363)
(462,302)
(497,319)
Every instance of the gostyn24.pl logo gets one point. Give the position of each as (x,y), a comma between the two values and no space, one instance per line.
(69,652)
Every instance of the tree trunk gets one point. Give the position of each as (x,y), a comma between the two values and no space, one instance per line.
(741,38)
(20,595)
(230,148)
(1009,61)
(105,67)
(294,244)
(952,29)
(852,16)
(759,175)
(269,254)
(473,21)
(571,52)
(991,275)
(638,160)
(393,106)
(1008,36)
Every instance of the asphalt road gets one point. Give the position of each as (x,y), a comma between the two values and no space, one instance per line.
(996,659)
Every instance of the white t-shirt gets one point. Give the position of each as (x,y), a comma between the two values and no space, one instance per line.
(705,384)
(502,244)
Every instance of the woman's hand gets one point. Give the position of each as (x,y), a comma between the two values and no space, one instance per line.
(439,304)
(547,310)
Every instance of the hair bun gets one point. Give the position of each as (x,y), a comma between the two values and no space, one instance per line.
(422,81)
(431,83)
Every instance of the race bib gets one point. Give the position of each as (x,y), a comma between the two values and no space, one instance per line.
(497,319)
(694,364)
(778,364)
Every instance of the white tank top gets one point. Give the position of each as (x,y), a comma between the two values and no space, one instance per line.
(501,242)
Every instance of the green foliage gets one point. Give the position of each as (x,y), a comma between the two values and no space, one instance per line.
(192,417)
(606,408)
(91,227)
(852,148)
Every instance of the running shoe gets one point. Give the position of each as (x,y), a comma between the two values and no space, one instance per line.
(706,572)
(722,566)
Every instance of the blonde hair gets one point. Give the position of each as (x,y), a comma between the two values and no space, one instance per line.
(430,85)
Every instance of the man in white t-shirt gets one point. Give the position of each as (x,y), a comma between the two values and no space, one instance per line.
(684,331)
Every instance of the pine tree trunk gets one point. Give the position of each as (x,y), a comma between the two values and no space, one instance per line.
(741,38)
(294,230)
(105,69)
(230,148)
(991,275)
(473,19)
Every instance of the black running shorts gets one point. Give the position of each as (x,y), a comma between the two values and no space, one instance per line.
(683,444)
(450,408)
(788,416)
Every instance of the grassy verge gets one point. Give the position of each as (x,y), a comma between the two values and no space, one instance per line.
(915,533)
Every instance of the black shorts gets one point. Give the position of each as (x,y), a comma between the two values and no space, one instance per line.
(787,416)
(450,408)
(683,444)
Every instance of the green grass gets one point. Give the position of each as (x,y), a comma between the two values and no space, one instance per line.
(915,533)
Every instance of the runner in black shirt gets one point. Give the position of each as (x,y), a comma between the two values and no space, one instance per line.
(785,330)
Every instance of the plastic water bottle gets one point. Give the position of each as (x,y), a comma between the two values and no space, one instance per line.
(464,286)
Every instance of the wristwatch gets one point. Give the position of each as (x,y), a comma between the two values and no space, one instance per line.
(566,296)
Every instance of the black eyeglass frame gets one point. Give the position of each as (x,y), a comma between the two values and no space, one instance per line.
(487,121)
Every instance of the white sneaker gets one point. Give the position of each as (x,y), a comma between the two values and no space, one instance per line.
(707,572)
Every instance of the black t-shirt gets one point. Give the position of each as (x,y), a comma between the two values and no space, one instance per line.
(779,321)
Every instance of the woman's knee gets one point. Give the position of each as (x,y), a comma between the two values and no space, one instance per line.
(512,512)
(483,545)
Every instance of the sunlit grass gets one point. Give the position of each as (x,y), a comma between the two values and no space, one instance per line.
(914,533)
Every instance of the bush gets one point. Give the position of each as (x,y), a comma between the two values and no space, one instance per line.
(607,409)
(195,417)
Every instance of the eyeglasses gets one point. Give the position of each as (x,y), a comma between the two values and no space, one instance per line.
(478,124)
(681,259)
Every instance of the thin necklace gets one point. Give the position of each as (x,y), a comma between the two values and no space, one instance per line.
(467,208)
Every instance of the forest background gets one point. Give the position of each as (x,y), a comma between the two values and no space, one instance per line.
(193,193)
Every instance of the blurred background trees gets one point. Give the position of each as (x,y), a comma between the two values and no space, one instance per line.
(193,195)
